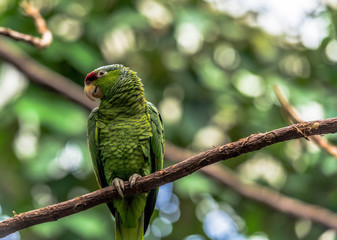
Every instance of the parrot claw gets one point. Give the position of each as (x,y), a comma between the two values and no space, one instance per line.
(119,185)
(133,179)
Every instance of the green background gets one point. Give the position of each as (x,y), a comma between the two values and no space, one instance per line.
(211,76)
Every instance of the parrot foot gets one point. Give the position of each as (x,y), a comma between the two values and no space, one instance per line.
(133,179)
(119,185)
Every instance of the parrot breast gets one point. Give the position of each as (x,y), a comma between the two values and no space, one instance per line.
(123,143)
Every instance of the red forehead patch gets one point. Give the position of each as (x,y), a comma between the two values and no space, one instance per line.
(90,77)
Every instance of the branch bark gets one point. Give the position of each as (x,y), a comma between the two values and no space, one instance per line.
(46,35)
(267,196)
(170,174)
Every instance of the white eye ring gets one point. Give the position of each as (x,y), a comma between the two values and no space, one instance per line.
(101,73)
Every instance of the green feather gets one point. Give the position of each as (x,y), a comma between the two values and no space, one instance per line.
(125,136)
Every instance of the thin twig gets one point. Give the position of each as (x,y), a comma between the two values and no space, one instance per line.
(169,174)
(46,35)
(295,118)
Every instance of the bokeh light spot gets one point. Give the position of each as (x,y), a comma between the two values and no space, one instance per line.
(311,111)
(12,84)
(161,227)
(328,235)
(302,228)
(218,225)
(117,43)
(248,83)
(189,38)
(226,57)
(331,50)
(68,28)
(208,137)
(194,237)
(156,13)
(265,167)
(171,109)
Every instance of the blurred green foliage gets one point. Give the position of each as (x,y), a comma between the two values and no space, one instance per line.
(211,75)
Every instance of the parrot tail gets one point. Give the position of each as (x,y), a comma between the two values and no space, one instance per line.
(124,232)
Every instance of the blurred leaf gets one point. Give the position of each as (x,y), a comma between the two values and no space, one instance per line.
(219,64)
(193,185)
(48,230)
(64,117)
(79,51)
(329,166)
(40,169)
(87,224)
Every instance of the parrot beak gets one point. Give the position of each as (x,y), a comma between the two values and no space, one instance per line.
(93,92)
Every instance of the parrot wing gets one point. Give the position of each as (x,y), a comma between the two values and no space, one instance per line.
(157,139)
(156,157)
(93,142)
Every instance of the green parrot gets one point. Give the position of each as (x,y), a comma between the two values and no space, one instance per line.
(126,141)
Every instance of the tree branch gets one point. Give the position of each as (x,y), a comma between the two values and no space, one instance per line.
(264,195)
(42,75)
(294,118)
(169,174)
(40,24)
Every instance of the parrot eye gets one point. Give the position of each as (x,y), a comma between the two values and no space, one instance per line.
(101,73)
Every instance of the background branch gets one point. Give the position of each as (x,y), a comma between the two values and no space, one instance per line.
(170,174)
(295,118)
(46,35)
(42,75)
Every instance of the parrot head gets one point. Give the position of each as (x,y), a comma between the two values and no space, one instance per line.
(104,80)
